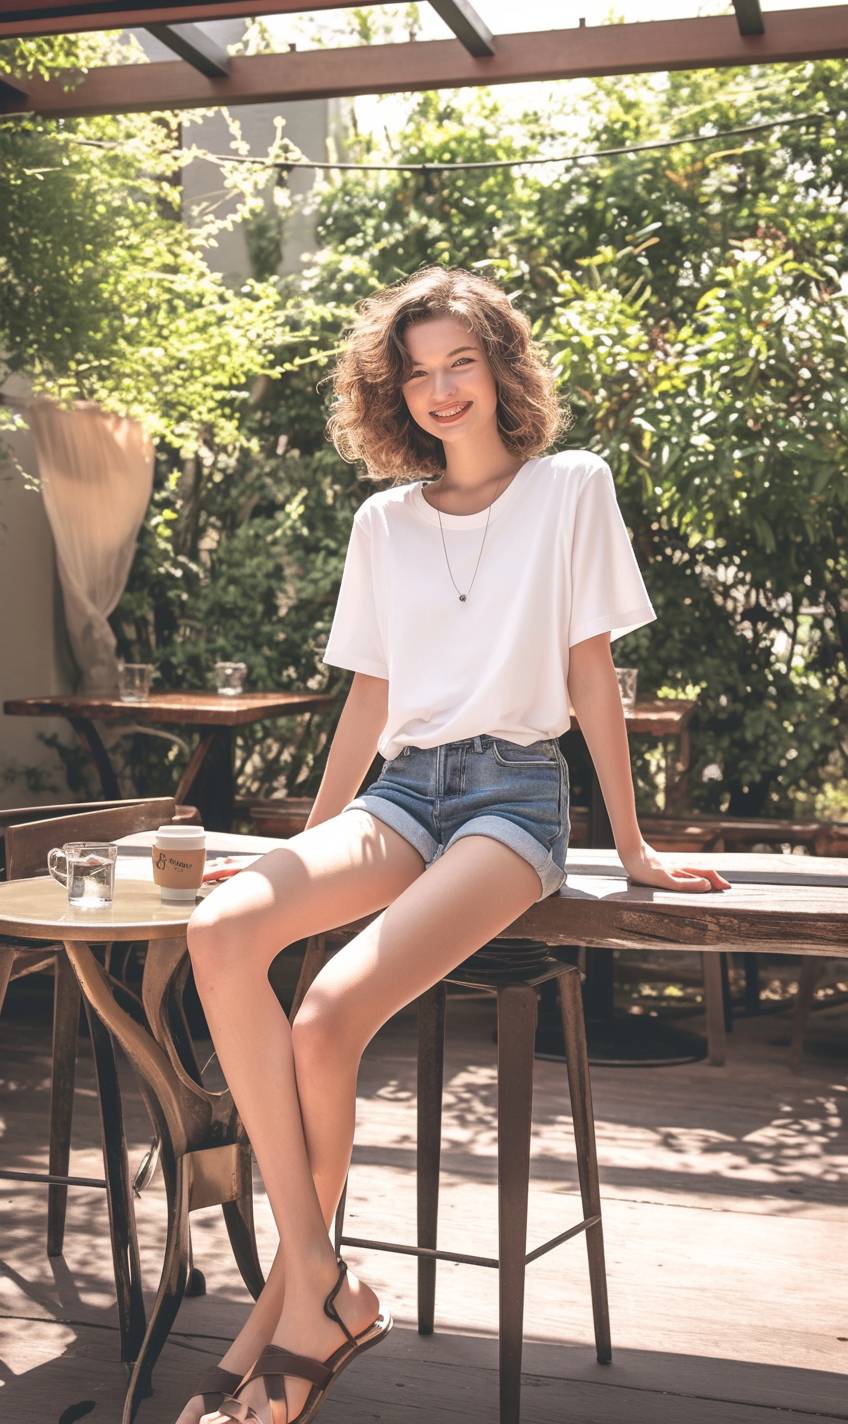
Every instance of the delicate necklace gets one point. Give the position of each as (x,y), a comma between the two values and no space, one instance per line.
(463,596)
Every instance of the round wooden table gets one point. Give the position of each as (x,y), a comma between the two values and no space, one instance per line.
(204,1154)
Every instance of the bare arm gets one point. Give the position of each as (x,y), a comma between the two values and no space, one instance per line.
(353,747)
(593,689)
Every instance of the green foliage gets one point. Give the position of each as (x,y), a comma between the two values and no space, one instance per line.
(107,294)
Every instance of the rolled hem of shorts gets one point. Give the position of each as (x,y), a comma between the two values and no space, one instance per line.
(508,833)
(399,820)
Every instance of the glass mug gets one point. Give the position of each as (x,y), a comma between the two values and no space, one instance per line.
(134,681)
(627,678)
(229,678)
(88,873)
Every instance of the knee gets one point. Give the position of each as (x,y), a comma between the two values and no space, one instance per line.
(205,935)
(322,1034)
(216,942)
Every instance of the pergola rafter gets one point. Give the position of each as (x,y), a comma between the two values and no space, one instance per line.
(193,45)
(210,77)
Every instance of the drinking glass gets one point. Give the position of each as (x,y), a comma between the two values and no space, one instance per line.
(88,872)
(134,681)
(229,678)
(627,685)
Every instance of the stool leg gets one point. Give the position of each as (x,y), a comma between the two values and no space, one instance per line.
(714,997)
(811,970)
(431,1062)
(66,1011)
(517,1013)
(583,1121)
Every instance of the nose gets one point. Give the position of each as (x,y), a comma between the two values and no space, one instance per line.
(443,387)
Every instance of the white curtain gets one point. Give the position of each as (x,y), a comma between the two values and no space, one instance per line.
(96,473)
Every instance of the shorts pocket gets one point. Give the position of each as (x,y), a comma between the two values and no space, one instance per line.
(513,754)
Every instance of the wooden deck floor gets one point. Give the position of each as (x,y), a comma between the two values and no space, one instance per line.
(726,1217)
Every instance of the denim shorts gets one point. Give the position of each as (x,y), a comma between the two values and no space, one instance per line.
(478,786)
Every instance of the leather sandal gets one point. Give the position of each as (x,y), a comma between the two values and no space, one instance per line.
(214,1386)
(275,1363)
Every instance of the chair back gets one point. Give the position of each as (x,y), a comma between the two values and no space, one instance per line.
(27,845)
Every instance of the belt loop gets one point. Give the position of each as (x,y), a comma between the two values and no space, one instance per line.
(478,744)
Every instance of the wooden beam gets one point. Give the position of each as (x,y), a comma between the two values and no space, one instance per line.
(12,98)
(749,17)
(643,47)
(56,17)
(194,46)
(466,25)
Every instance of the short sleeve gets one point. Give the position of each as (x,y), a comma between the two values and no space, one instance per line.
(607,589)
(355,639)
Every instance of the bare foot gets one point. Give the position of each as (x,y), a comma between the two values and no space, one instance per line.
(306,1330)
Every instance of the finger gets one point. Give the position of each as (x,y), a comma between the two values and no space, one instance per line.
(690,880)
(713,876)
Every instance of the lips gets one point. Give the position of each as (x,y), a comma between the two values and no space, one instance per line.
(451,412)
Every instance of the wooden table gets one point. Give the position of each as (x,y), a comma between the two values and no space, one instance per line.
(208,781)
(204,1155)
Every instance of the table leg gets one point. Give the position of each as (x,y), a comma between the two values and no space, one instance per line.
(118,1192)
(91,740)
(208,781)
(66,1017)
(205,1160)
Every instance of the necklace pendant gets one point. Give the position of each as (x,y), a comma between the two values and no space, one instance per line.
(462,597)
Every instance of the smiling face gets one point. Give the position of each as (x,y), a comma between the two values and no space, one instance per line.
(450,391)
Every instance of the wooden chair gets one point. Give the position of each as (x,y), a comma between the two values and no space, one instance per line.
(26,847)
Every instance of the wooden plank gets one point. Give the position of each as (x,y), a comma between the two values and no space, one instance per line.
(642,47)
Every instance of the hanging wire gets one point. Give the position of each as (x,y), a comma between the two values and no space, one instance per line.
(287,165)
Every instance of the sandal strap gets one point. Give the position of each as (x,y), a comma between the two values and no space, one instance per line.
(215,1380)
(329,1307)
(275,1360)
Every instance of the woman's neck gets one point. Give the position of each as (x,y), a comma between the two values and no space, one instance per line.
(476,471)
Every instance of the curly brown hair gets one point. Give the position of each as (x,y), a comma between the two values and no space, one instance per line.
(369,419)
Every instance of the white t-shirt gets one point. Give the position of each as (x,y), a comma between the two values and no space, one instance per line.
(557,566)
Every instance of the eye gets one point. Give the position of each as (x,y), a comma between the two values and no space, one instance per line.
(463,358)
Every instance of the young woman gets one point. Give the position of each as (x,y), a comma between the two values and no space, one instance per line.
(480,592)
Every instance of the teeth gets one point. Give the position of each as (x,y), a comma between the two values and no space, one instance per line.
(454,410)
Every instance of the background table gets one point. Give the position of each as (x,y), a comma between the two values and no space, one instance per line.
(208,781)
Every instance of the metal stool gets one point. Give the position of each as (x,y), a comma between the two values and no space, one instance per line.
(512,970)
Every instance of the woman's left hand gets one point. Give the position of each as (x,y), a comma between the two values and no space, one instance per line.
(648,867)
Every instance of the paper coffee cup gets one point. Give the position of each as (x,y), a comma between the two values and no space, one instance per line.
(179,859)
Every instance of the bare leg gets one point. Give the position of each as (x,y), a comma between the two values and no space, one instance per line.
(430,927)
(333,873)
